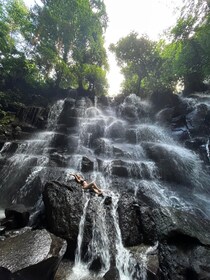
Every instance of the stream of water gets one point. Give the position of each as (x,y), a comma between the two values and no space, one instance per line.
(118,148)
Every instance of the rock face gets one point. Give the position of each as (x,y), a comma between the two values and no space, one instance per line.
(46,251)
(16,216)
(64,206)
(150,159)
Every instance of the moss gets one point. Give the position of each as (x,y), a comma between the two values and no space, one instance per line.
(7,118)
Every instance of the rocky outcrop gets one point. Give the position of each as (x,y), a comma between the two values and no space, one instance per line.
(63,207)
(148,179)
(35,116)
(46,252)
(16,216)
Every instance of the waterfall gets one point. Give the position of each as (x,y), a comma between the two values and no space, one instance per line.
(99,245)
(123,258)
(124,151)
(79,267)
(28,162)
(207,149)
(54,114)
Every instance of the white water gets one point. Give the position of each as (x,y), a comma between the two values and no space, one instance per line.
(78,260)
(123,258)
(99,245)
(127,143)
(31,157)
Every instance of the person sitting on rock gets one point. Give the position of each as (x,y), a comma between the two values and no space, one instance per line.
(85,185)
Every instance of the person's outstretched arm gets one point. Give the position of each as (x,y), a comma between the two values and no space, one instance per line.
(77,179)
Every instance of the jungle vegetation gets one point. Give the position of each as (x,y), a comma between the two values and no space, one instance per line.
(59,45)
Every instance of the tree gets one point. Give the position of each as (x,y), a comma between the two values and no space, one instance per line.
(16,70)
(139,61)
(69,35)
(187,56)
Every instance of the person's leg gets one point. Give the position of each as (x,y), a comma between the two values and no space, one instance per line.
(96,189)
(89,186)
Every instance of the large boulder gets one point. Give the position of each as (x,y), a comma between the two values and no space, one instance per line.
(33,255)
(147,262)
(16,216)
(87,164)
(198,120)
(175,225)
(175,164)
(166,99)
(184,261)
(129,221)
(64,208)
(35,116)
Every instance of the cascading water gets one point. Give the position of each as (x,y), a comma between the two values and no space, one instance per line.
(124,262)
(28,162)
(80,268)
(126,152)
(99,245)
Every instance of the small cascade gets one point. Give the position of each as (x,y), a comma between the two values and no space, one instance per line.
(99,245)
(54,114)
(207,150)
(28,162)
(124,262)
(78,256)
(141,272)
(137,164)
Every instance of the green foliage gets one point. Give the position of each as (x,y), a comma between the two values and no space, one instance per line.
(187,56)
(184,57)
(6,118)
(59,43)
(140,63)
(69,35)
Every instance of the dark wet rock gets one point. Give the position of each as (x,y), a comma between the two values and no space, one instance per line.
(147,262)
(35,116)
(95,131)
(200,146)
(69,114)
(174,165)
(113,274)
(60,141)
(165,115)
(59,159)
(116,130)
(9,148)
(99,146)
(87,164)
(25,127)
(64,207)
(184,262)
(161,100)
(123,168)
(6,274)
(131,136)
(32,254)
(130,113)
(108,200)
(129,221)
(147,225)
(119,168)
(16,216)
(198,121)
(31,193)
(96,265)
(177,225)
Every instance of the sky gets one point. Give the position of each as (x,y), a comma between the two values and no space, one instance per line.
(149,17)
